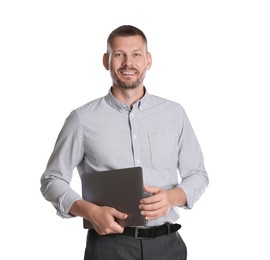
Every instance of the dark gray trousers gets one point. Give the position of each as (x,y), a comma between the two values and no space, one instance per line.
(117,247)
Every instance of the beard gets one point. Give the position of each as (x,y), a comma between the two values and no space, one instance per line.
(128,84)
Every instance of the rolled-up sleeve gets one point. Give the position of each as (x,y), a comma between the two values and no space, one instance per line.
(67,154)
(191,164)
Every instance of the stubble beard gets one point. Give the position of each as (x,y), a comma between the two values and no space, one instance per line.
(128,85)
(131,85)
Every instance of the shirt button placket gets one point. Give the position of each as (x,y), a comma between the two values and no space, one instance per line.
(134,139)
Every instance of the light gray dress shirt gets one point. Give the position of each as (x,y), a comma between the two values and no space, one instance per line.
(106,134)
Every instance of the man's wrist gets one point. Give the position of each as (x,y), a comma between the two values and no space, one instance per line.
(177,197)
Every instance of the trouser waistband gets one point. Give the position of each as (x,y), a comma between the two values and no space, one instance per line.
(151,232)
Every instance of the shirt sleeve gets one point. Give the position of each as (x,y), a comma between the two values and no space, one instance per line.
(66,155)
(191,164)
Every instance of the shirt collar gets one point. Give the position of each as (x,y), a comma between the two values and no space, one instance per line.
(118,105)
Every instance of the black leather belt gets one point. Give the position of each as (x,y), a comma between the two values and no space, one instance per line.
(151,232)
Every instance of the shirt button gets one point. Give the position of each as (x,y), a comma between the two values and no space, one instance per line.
(134,136)
(138,161)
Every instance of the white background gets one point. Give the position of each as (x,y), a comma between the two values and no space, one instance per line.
(211,56)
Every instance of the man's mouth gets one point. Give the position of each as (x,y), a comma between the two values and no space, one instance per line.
(128,72)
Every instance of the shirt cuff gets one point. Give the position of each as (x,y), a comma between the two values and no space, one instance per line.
(65,203)
(190,196)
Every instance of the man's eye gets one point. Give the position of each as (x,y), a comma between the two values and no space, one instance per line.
(136,54)
(118,55)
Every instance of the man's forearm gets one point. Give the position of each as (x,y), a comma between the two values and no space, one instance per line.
(177,197)
(82,208)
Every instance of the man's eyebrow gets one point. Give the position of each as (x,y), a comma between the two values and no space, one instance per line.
(122,51)
(117,51)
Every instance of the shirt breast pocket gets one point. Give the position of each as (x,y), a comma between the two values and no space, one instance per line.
(163,149)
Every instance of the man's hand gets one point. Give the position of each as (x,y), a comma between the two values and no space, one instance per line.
(159,204)
(102,218)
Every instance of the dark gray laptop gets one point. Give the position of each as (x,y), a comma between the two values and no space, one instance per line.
(121,189)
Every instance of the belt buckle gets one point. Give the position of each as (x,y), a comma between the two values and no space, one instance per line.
(137,233)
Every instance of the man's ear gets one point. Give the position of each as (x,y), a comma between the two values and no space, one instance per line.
(106,61)
(149,60)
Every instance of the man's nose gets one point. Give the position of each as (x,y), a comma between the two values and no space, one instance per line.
(128,60)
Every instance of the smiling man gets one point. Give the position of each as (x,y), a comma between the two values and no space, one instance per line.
(128,60)
(127,128)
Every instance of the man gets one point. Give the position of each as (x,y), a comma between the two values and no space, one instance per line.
(127,128)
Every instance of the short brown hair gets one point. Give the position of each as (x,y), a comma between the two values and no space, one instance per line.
(125,30)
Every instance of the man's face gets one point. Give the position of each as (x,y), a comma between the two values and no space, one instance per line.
(128,61)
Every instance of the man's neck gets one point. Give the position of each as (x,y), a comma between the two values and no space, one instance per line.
(128,96)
